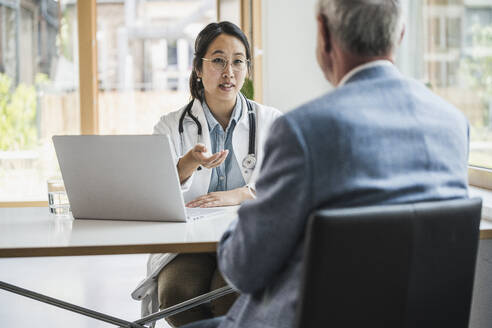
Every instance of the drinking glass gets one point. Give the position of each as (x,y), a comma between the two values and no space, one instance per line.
(57,198)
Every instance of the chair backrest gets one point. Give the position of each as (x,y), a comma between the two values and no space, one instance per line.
(399,266)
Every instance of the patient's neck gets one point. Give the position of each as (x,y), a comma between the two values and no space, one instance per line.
(348,62)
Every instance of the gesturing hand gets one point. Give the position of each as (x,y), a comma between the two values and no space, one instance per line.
(201,156)
(196,156)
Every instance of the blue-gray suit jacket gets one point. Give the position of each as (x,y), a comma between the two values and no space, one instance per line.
(379,139)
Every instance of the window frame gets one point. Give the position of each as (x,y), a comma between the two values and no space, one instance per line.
(251,25)
(480,177)
(88,88)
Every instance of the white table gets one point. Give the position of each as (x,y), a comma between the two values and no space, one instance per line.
(27,232)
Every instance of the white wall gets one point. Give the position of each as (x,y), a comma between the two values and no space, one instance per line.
(230,10)
(291,75)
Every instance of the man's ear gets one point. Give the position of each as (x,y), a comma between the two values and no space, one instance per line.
(402,34)
(325,32)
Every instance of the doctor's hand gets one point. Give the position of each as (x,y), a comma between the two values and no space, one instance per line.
(199,156)
(222,198)
(202,157)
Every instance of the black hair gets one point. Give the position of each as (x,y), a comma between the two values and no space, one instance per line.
(203,41)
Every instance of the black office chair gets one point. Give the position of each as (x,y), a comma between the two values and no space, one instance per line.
(398,266)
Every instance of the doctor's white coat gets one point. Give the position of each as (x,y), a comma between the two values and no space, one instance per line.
(198,184)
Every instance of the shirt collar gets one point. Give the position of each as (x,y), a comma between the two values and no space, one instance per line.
(212,122)
(349,75)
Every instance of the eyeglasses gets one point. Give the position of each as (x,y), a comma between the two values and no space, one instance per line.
(220,64)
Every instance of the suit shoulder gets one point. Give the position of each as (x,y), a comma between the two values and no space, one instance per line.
(445,104)
(321,106)
(286,128)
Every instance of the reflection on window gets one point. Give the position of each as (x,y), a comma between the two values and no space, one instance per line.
(145,53)
(452,41)
(38,92)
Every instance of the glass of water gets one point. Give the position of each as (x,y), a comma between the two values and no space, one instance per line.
(57,198)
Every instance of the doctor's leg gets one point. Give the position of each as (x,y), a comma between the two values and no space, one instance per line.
(220,306)
(185,277)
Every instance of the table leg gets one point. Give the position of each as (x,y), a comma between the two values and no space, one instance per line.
(68,306)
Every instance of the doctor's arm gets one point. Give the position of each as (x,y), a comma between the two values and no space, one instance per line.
(268,230)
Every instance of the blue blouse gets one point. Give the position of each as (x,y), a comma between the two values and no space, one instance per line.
(226,176)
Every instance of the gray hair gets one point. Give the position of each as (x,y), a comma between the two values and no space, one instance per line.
(364,27)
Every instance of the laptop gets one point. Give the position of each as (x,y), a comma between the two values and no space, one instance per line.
(124,177)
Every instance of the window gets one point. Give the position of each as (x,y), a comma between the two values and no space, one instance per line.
(140,72)
(452,42)
(145,53)
(38,92)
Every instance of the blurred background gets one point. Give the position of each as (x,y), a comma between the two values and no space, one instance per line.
(144,54)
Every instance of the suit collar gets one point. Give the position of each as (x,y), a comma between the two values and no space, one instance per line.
(368,70)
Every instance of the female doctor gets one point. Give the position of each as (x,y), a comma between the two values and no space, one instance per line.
(218,141)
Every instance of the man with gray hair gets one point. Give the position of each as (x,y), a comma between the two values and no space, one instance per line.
(377,138)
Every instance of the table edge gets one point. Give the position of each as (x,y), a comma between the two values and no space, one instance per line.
(202,247)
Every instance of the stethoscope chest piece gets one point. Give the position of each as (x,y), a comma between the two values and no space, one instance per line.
(249,162)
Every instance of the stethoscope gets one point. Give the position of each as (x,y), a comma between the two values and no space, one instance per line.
(249,161)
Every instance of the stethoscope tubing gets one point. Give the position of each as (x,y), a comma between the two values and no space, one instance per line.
(249,161)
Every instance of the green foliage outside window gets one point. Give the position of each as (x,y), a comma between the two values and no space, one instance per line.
(18,129)
(247,89)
